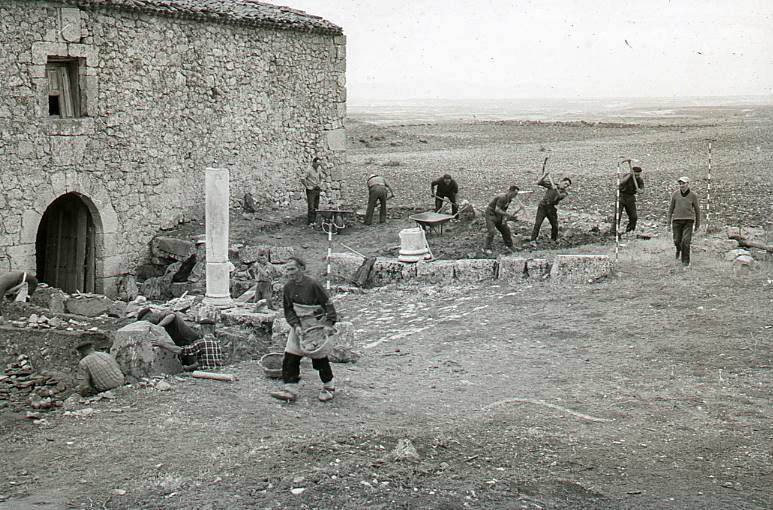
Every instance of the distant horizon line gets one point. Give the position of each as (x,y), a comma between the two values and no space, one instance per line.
(768,97)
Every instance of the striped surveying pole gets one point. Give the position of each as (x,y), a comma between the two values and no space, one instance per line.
(617,215)
(708,191)
(329,253)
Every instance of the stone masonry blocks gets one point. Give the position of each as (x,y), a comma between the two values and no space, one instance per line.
(438,271)
(345,265)
(387,270)
(474,270)
(580,268)
(511,269)
(537,269)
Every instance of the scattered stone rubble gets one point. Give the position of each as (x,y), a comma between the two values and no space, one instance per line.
(22,385)
(35,321)
(183,267)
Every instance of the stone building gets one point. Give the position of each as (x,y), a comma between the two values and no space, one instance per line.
(111,109)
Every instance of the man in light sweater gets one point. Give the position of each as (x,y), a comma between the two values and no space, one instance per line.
(312,181)
(684,216)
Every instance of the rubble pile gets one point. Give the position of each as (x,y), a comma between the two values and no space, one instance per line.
(22,386)
(35,321)
(182,266)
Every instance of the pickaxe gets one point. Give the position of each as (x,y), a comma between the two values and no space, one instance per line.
(630,168)
(544,165)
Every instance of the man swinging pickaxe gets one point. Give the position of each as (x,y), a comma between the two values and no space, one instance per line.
(627,189)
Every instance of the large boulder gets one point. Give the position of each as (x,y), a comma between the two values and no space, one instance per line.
(511,269)
(127,288)
(720,245)
(135,353)
(437,271)
(580,268)
(743,260)
(475,270)
(738,252)
(90,305)
(172,248)
(345,265)
(238,316)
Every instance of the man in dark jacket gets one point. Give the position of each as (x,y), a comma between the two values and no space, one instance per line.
(547,207)
(497,218)
(628,188)
(311,316)
(446,188)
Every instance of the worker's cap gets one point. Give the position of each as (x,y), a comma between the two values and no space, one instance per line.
(447,176)
(84,346)
(685,180)
(371,176)
(637,169)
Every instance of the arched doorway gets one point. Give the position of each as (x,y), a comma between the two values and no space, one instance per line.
(66,245)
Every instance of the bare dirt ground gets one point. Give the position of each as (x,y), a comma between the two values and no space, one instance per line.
(648,390)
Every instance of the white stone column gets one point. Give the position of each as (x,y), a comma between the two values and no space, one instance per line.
(217,225)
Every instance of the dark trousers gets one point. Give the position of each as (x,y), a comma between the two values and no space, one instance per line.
(264,290)
(627,204)
(451,198)
(376,194)
(291,368)
(682,238)
(551,213)
(312,200)
(496,222)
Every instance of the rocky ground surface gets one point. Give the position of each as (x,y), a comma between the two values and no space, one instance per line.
(648,389)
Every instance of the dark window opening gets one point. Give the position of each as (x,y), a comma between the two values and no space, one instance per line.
(53,105)
(64,92)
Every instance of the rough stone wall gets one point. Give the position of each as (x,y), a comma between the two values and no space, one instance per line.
(163,99)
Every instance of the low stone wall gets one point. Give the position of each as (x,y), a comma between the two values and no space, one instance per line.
(509,269)
(580,268)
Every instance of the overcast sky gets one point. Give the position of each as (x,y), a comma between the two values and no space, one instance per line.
(400,49)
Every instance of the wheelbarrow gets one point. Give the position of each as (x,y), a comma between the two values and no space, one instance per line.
(431,221)
(334,220)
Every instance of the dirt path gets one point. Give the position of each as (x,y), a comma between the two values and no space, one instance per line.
(648,390)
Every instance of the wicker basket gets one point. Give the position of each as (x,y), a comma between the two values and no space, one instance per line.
(271,364)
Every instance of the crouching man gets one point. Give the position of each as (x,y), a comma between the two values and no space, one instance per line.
(311,316)
(97,371)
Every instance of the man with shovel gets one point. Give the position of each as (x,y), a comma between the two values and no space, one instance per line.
(311,316)
(446,189)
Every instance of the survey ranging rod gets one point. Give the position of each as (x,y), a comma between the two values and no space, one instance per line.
(708,189)
(328,227)
(616,221)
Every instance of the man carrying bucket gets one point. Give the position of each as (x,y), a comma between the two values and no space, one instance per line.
(311,316)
